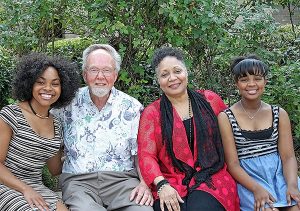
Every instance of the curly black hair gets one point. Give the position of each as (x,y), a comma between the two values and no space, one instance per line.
(32,66)
(250,64)
(163,52)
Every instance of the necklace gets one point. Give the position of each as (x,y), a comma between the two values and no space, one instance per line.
(38,115)
(253,114)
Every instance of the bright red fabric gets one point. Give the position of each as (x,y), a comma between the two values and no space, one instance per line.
(154,160)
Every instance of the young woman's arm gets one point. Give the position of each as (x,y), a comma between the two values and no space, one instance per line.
(54,163)
(261,196)
(8,179)
(289,162)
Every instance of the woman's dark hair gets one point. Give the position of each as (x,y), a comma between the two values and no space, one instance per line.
(32,66)
(163,52)
(251,64)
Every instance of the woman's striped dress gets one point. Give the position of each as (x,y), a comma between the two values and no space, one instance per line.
(259,157)
(26,156)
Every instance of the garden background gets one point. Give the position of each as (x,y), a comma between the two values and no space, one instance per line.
(211,33)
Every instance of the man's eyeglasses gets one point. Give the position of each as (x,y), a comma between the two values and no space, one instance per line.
(105,72)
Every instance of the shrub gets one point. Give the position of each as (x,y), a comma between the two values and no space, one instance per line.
(70,48)
(283,89)
(7,62)
(48,180)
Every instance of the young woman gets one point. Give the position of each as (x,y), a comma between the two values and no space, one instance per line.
(258,143)
(30,136)
(179,144)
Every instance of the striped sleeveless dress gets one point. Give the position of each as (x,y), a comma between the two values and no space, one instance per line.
(259,157)
(26,156)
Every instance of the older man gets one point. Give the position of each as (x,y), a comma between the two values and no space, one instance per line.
(100,126)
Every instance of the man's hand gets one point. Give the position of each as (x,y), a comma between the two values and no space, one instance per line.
(142,195)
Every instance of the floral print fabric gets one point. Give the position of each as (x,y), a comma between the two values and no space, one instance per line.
(102,140)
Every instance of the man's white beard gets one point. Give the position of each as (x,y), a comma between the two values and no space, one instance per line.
(100,92)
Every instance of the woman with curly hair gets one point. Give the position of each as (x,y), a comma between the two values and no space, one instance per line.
(30,136)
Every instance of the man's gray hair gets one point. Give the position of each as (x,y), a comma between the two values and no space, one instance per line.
(115,55)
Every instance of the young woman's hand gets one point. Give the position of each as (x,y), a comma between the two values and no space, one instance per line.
(169,196)
(34,199)
(293,193)
(262,197)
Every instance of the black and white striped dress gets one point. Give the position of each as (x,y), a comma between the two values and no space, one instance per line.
(26,156)
(249,147)
(259,157)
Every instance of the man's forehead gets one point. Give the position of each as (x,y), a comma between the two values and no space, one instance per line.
(100,57)
(99,52)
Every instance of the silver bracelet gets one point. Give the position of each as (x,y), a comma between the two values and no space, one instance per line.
(164,185)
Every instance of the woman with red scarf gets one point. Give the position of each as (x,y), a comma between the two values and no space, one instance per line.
(180,151)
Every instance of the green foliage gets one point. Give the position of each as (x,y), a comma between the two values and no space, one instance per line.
(7,62)
(286,30)
(287,44)
(206,30)
(283,89)
(282,45)
(49,180)
(30,25)
(70,48)
(210,32)
(292,6)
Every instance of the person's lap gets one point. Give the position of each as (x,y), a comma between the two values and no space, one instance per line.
(197,200)
(100,191)
(11,199)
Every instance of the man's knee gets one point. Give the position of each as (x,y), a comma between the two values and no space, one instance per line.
(81,198)
(83,201)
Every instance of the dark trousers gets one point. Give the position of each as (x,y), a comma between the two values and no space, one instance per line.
(196,201)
